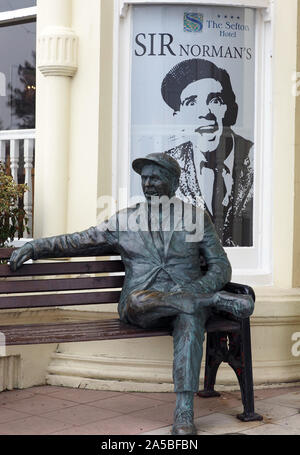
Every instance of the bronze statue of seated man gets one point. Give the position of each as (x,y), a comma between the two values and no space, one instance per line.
(161,245)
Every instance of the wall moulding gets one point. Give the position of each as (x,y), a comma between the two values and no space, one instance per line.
(57,52)
(136,375)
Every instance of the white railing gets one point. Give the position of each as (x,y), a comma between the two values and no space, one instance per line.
(17,150)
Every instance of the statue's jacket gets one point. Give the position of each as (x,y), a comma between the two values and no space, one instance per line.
(174,265)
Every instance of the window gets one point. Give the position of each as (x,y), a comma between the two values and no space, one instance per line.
(17,94)
(10,5)
(151,40)
(17,70)
(192,95)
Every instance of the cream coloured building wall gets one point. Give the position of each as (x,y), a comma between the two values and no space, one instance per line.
(75,133)
(284,103)
(296,257)
(67,117)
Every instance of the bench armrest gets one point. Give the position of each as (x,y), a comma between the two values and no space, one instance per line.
(236,288)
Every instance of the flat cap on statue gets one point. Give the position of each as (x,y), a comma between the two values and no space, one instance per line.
(162,159)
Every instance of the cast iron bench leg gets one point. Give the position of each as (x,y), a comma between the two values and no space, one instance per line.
(213,360)
(243,371)
(235,349)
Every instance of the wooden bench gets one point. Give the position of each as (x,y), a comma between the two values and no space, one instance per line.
(48,284)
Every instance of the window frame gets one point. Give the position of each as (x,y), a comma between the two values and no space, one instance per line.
(252,265)
(18,16)
(15,17)
(7,18)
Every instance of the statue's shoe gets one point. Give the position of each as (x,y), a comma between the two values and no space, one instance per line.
(240,305)
(184,423)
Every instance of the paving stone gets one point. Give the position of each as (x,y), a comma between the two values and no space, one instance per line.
(222,403)
(45,389)
(126,403)
(271,412)
(291,399)
(168,431)
(81,414)
(124,425)
(13,395)
(38,404)
(218,423)
(70,411)
(33,425)
(165,413)
(161,396)
(291,422)
(271,429)
(261,394)
(9,415)
(84,396)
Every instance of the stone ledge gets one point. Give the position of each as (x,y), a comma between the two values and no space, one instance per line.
(121,374)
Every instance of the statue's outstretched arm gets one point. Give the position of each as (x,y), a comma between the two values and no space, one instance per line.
(95,240)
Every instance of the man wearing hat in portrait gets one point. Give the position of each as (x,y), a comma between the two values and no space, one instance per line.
(216,162)
(164,284)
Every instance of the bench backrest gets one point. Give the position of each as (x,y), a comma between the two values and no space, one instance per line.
(103,279)
(27,287)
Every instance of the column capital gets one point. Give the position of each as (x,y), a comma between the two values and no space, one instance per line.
(57,51)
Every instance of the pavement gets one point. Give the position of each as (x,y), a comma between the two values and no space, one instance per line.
(52,410)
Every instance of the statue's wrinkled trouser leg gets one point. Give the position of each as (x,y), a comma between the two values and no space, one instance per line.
(152,309)
(188,337)
(188,316)
(148,307)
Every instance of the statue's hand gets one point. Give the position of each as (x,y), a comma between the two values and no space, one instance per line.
(20,256)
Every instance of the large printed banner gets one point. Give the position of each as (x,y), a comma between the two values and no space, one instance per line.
(192,96)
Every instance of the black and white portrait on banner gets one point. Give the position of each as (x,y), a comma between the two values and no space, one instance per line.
(192,95)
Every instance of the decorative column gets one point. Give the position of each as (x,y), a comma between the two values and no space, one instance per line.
(57,62)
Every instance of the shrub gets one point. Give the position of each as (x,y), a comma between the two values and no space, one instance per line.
(13,219)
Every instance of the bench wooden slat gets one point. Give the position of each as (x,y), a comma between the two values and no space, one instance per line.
(64,268)
(73,332)
(62,284)
(62,332)
(5,253)
(50,300)
(91,331)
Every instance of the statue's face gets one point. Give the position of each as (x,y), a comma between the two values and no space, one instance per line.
(155,181)
(202,111)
